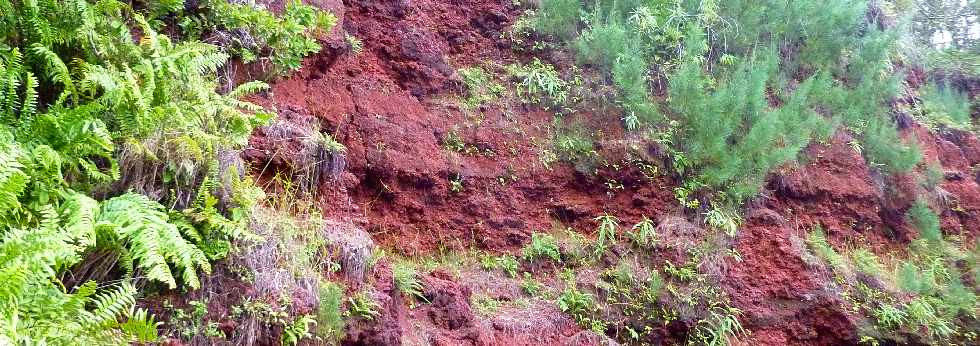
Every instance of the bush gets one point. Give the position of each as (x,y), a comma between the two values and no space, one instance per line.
(254,33)
(924,220)
(558,17)
(542,246)
(329,319)
(732,137)
(944,107)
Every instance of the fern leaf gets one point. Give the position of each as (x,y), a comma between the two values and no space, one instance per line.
(80,213)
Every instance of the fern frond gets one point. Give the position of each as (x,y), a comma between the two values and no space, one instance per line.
(248,89)
(153,241)
(80,213)
(109,306)
(56,68)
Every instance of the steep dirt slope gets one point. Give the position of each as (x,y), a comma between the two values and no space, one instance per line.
(392,106)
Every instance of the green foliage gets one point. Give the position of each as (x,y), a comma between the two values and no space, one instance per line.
(531,286)
(255,33)
(818,243)
(480,87)
(720,328)
(542,246)
(138,229)
(539,82)
(96,102)
(724,219)
(924,220)
(297,330)
(362,306)
(558,17)
(407,280)
(572,141)
(581,306)
(607,227)
(508,263)
(329,318)
(732,136)
(643,233)
(355,44)
(944,107)
(867,262)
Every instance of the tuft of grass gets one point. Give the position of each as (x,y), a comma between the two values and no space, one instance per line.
(818,243)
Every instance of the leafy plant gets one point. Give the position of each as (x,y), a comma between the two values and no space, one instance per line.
(531,286)
(329,318)
(643,233)
(407,280)
(297,330)
(282,40)
(539,82)
(508,263)
(721,328)
(362,306)
(542,245)
(608,225)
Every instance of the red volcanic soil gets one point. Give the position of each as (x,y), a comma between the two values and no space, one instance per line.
(392,105)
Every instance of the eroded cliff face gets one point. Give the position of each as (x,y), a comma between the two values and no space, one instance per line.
(394,103)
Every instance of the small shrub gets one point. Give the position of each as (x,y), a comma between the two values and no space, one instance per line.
(539,83)
(924,220)
(479,86)
(542,246)
(944,107)
(724,219)
(287,39)
(531,286)
(297,330)
(558,17)
(329,318)
(508,263)
(644,233)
